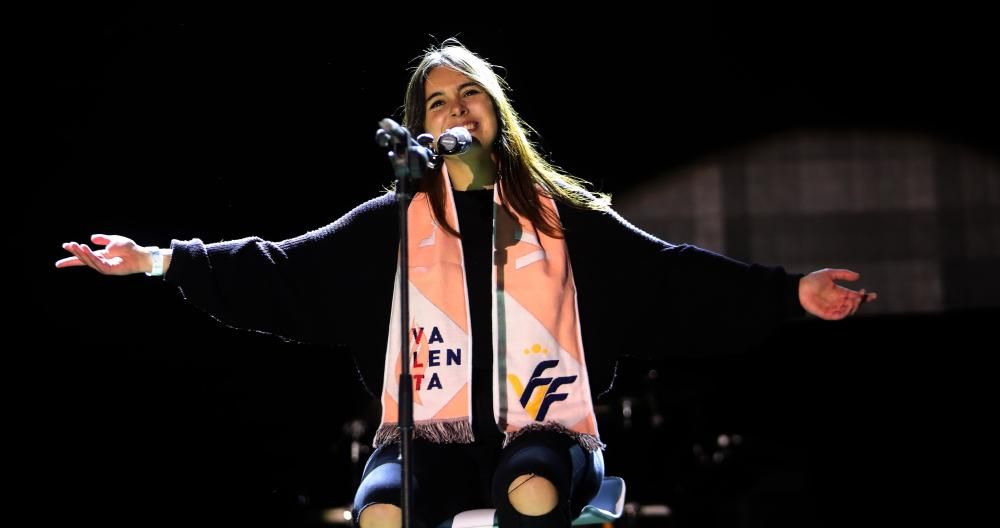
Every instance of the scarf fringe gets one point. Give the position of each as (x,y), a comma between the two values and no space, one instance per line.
(457,431)
(586,441)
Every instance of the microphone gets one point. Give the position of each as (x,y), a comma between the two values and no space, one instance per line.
(454,141)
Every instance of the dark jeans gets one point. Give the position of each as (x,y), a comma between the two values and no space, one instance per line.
(451,478)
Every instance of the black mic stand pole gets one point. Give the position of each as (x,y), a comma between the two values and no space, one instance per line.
(409,159)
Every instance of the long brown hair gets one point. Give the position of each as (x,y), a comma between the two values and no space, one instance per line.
(520,167)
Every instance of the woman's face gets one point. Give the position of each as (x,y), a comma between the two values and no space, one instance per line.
(452,99)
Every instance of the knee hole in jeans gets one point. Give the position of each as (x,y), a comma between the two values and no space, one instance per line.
(532,495)
(381,515)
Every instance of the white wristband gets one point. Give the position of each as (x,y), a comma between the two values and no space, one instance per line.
(157,261)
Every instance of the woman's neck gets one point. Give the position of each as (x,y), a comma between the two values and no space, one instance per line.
(471,172)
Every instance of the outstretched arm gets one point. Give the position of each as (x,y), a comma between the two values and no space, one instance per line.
(309,288)
(821,296)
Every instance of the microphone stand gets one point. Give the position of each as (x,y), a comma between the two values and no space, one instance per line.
(409,158)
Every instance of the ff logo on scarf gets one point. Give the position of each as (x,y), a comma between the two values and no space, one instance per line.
(538,405)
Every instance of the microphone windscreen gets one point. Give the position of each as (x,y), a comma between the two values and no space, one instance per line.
(454,141)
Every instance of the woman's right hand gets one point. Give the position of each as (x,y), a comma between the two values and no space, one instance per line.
(120,256)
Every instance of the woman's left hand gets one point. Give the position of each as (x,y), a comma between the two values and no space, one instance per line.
(824,298)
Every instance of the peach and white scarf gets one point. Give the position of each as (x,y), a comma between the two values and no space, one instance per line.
(539,370)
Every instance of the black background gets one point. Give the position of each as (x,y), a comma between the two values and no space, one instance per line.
(132,407)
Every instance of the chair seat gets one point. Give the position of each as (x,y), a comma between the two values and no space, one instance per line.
(606,506)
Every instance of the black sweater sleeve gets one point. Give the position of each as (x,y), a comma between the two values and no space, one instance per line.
(651,299)
(310,288)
